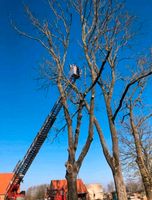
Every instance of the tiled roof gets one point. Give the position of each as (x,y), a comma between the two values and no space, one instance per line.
(5,178)
(62,184)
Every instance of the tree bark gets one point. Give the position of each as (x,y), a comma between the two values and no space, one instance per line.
(119,184)
(147,180)
(113,162)
(145,174)
(71,177)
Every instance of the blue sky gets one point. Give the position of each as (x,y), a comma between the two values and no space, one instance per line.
(23,107)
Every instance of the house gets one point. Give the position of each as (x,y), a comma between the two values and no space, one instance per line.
(58,190)
(95,191)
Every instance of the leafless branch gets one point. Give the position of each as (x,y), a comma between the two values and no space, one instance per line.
(132,82)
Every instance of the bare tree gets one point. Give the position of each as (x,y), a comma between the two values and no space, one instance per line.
(143,160)
(140,144)
(54,36)
(106,27)
(36,192)
(101,25)
(134,186)
(128,149)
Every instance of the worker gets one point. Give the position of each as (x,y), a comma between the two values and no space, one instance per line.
(74,71)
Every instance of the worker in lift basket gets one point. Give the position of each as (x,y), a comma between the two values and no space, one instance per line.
(74,70)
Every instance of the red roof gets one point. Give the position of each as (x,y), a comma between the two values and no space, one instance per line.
(62,184)
(5,179)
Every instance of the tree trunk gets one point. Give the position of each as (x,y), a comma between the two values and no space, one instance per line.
(148,190)
(71,177)
(145,174)
(113,161)
(147,180)
(119,184)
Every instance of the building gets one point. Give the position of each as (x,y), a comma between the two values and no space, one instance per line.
(58,190)
(95,191)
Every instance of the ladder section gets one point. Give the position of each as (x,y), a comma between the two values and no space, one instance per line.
(39,139)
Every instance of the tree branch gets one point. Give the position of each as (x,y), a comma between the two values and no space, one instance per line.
(135,80)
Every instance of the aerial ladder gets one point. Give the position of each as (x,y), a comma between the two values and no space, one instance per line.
(12,191)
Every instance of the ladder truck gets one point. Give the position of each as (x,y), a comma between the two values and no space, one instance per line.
(23,166)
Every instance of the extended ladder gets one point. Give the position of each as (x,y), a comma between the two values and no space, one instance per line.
(22,167)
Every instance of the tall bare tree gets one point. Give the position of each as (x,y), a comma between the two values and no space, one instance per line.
(140,144)
(54,36)
(106,27)
(101,25)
